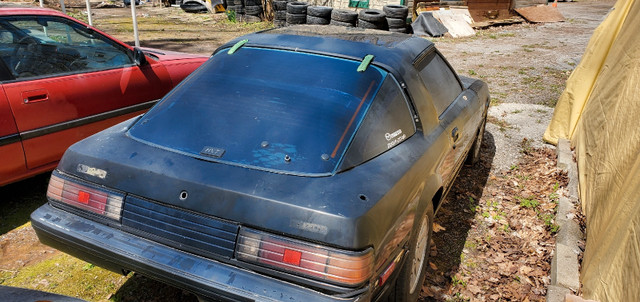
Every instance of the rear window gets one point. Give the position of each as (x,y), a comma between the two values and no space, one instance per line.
(275,110)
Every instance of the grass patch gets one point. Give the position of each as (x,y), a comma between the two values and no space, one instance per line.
(66,275)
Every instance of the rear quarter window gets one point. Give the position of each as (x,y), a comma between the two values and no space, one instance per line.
(388,123)
(440,80)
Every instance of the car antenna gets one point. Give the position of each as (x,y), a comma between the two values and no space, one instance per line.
(237,46)
(365,63)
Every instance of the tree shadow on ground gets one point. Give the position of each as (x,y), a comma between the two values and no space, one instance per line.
(20,199)
(456,216)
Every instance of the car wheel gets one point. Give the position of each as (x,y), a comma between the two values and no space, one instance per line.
(474,153)
(414,269)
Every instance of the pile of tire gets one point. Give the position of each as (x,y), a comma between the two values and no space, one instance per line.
(252,10)
(296,13)
(372,19)
(396,17)
(343,17)
(319,15)
(238,7)
(279,13)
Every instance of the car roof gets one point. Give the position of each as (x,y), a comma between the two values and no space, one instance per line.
(388,48)
(8,9)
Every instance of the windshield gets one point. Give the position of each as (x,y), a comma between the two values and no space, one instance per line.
(282,111)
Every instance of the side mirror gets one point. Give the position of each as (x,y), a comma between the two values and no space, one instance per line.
(139,57)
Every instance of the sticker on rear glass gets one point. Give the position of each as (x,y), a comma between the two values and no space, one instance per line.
(394,138)
(95,172)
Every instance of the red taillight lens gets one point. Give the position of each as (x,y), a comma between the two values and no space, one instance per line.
(319,262)
(98,201)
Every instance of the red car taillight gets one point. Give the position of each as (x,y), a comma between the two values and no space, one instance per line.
(319,262)
(91,199)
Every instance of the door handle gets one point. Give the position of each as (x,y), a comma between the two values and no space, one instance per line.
(35,96)
(455,134)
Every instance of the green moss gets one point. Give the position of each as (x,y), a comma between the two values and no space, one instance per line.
(66,275)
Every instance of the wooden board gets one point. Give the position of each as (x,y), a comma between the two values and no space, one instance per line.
(540,13)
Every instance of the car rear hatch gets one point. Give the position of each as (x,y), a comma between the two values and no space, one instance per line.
(275,110)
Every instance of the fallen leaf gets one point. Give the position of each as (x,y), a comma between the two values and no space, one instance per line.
(433,266)
(437,227)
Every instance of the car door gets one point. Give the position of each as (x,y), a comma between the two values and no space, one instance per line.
(69,82)
(452,106)
(12,159)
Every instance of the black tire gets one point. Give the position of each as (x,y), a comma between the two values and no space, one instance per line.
(373,25)
(239,9)
(252,19)
(280,5)
(408,285)
(396,11)
(399,30)
(279,23)
(297,7)
(253,10)
(319,11)
(372,15)
(396,23)
(252,2)
(230,3)
(474,153)
(344,15)
(317,20)
(280,15)
(340,23)
(296,18)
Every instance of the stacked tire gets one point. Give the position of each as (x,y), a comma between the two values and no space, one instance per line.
(343,17)
(279,13)
(396,17)
(319,15)
(253,10)
(238,7)
(372,19)
(296,13)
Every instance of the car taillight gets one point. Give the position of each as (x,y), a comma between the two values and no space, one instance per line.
(92,199)
(319,262)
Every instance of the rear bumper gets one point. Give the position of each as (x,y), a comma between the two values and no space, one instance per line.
(116,250)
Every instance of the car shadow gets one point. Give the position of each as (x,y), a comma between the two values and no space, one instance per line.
(20,199)
(456,217)
(140,288)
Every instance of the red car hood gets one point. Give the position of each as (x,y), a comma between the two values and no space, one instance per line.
(166,55)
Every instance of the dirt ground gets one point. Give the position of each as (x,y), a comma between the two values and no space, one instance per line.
(481,250)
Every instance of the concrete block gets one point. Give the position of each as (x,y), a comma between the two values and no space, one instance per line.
(565,157)
(557,293)
(564,267)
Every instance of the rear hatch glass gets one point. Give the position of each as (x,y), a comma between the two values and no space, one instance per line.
(281,111)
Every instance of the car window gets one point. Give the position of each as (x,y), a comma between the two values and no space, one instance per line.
(33,46)
(441,82)
(388,123)
(282,111)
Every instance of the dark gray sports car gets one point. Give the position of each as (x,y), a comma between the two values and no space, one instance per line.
(303,163)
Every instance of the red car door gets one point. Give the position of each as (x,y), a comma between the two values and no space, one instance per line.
(11,155)
(71,82)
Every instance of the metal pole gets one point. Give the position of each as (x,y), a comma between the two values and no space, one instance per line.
(88,12)
(64,10)
(135,23)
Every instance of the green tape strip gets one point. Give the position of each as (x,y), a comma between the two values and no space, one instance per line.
(237,46)
(365,63)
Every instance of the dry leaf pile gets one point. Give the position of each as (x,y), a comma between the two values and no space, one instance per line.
(494,235)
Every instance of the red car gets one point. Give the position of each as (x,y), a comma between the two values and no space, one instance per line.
(62,80)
